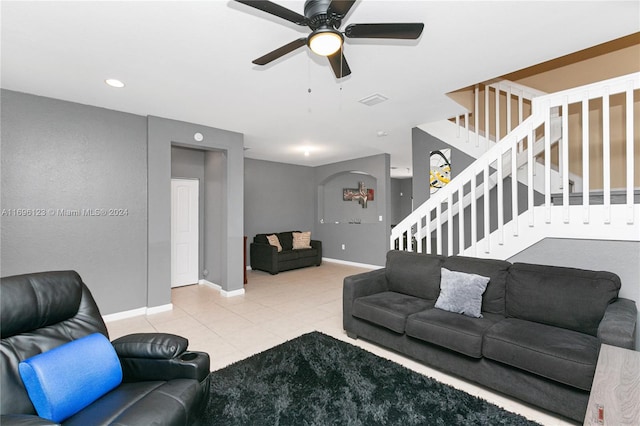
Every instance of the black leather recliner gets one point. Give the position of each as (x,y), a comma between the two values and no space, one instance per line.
(163,383)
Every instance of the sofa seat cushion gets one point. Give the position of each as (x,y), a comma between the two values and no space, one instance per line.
(168,403)
(453,331)
(389,309)
(565,356)
(311,252)
(284,256)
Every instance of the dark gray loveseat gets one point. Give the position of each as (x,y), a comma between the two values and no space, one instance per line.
(538,339)
(265,257)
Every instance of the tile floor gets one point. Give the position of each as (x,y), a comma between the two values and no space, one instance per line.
(274,309)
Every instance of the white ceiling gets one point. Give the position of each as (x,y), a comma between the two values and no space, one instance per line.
(191,61)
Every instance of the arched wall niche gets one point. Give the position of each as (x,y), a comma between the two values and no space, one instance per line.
(333,209)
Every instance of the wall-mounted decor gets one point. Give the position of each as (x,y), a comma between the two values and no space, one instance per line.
(439,169)
(361,194)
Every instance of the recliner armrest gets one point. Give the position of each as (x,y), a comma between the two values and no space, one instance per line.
(159,356)
(150,345)
(618,325)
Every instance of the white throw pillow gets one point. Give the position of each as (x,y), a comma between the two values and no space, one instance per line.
(274,241)
(461,293)
(302,240)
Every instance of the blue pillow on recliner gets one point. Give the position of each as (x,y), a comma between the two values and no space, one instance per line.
(66,379)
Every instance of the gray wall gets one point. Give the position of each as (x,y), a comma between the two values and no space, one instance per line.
(619,257)
(401,197)
(278,197)
(422,145)
(365,243)
(63,155)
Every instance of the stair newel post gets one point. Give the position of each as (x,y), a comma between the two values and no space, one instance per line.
(427,226)
(547,163)
(509,110)
(461,219)
(530,166)
(439,227)
(515,213)
(585,158)
(466,126)
(497,112)
(474,214)
(419,234)
(487,134)
(476,113)
(500,197)
(450,224)
(565,159)
(487,212)
(606,156)
(630,158)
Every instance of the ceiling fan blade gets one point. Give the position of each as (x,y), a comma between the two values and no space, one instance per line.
(340,7)
(277,10)
(408,31)
(339,64)
(281,51)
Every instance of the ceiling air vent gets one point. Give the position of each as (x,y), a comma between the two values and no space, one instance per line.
(374,99)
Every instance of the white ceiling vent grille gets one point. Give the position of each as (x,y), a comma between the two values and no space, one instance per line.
(374,99)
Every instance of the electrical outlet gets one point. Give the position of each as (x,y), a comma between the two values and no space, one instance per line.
(343,247)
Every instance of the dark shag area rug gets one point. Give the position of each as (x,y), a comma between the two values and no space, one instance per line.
(318,380)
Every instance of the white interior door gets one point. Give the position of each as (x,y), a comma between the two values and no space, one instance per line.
(184,232)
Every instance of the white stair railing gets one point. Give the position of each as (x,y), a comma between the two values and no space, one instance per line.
(443,221)
(497,108)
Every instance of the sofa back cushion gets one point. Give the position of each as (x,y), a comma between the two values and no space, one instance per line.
(575,299)
(493,297)
(414,274)
(285,238)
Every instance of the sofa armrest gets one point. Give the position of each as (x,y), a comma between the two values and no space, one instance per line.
(359,285)
(264,257)
(159,356)
(318,246)
(618,325)
(24,420)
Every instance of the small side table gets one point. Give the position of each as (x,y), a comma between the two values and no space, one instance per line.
(615,392)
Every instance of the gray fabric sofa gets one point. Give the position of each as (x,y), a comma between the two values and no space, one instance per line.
(538,338)
(265,257)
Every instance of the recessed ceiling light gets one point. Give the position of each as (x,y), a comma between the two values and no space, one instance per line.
(114,83)
(306,153)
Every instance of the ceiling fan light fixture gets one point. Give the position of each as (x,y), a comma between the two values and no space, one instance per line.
(325,41)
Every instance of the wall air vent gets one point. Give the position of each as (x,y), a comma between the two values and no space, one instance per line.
(374,99)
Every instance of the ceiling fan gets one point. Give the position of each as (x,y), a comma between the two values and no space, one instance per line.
(324,18)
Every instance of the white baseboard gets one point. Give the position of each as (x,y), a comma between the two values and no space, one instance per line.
(137,312)
(161,308)
(124,314)
(346,262)
(223,293)
(232,293)
(210,284)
